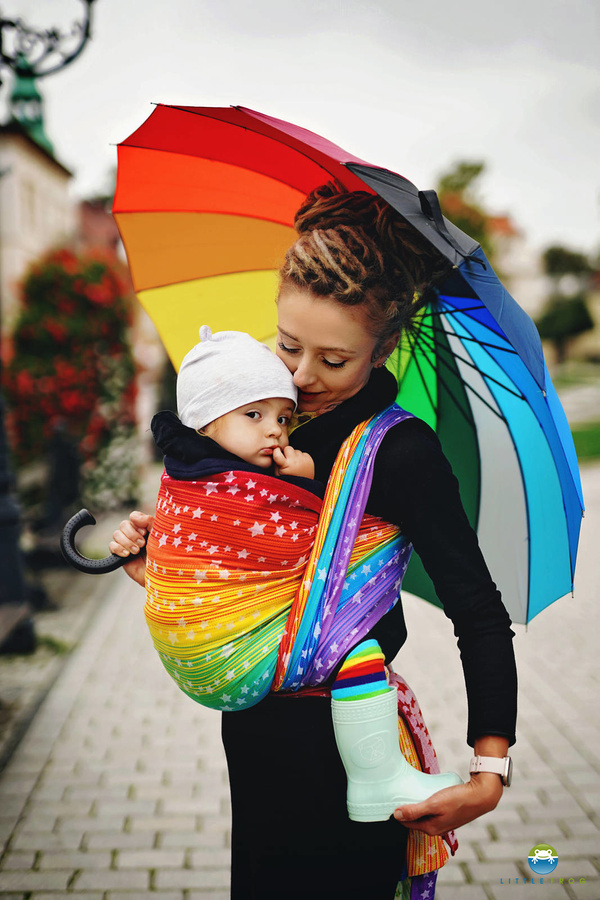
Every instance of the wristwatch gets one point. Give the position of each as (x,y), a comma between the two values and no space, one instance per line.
(498,765)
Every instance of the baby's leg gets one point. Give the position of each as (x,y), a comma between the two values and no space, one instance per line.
(365,722)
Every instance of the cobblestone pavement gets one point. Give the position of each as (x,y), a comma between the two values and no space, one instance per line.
(119,788)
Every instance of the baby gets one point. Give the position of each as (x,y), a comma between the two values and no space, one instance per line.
(239,398)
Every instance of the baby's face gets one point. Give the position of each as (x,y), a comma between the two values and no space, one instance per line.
(253,431)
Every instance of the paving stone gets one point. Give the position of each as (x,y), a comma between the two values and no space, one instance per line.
(506,850)
(52,808)
(35,822)
(464,892)
(155,895)
(63,895)
(209,894)
(122,880)
(34,881)
(91,823)
(187,839)
(160,823)
(111,840)
(94,793)
(211,859)
(529,833)
(492,871)
(125,808)
(514,891)
(451,874)
(187,879)
(583,826)
(18,859)
(47,840)
(74,860)
(589,890)
(151,859)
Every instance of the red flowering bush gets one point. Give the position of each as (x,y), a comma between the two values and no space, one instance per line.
(72,366)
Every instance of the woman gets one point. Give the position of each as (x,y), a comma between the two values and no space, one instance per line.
(348,288)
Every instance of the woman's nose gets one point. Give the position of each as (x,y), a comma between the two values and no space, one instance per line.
(303,376)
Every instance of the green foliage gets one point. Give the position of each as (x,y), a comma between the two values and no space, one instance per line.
(564,318)
(462,178)
(457,192)
(586,437)
(72,367)
(560,261)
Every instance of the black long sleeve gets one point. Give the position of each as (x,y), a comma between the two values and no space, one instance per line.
(414,487)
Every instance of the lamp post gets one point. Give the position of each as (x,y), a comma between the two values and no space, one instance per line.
(30,54)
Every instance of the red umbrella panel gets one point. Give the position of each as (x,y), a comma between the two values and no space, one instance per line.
(205,204)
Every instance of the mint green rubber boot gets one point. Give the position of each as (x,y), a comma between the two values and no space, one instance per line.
(379,778)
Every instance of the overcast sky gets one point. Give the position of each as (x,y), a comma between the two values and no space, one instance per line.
(411,85)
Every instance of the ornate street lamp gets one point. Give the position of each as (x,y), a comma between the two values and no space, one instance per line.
(30,54)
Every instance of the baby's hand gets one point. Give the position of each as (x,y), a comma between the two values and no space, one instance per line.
(130,540)
(290,461)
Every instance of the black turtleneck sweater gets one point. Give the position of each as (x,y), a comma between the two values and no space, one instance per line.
(414,488)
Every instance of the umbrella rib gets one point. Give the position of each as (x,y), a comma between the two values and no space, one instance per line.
(440,346)
(465,383)
(454,399)
(474,340)
(455,310)
(416,361)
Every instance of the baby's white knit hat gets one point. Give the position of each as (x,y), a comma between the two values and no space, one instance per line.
(226,370)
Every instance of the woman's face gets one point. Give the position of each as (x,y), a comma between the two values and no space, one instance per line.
(327,347)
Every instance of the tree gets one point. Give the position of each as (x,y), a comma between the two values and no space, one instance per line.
(564,318)
(566,314)
(457,192)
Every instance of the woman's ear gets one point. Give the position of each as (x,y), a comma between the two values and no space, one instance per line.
(386,349)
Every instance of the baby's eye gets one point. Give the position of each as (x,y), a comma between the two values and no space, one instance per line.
(253,414)
(337,365)
(285,349)
(283,420)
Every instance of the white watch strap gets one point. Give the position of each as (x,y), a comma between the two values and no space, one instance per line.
(497,765)
(493,764)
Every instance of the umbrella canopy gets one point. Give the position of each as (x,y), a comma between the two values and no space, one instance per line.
(205,204)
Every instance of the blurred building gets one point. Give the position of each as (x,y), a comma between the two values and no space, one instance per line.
(36,210)
(38,213)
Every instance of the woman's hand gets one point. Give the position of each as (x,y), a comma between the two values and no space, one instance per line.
(289,461)
(130,540)
(454,806)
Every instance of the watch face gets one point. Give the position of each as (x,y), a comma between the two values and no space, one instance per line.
(507,778)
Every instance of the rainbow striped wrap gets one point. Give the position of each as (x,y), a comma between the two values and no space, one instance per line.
(256,585)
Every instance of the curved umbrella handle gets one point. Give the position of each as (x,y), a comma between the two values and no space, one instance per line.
(74,557)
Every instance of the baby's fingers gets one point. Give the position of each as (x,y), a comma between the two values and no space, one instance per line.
(279,457)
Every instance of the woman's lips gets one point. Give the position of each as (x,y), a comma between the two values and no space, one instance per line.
(309,395)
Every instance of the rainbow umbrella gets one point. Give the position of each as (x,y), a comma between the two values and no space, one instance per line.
(205,204)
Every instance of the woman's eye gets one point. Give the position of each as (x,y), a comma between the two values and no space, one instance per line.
(253,414)
(285,349)
(332,365)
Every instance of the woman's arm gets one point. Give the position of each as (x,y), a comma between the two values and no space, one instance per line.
(130,540)
(414,487)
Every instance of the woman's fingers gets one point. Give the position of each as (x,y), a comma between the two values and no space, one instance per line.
(451,807)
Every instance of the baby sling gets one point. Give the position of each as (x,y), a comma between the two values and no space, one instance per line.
(255,585)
